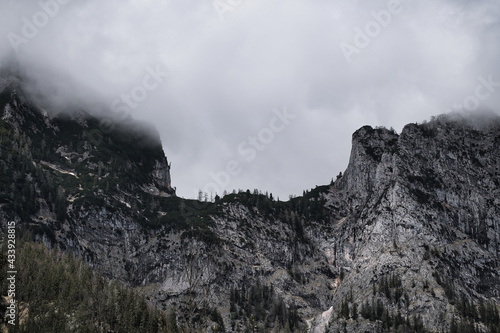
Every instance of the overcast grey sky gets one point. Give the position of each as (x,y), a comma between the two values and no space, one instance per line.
(260,94)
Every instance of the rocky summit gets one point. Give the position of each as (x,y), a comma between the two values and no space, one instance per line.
(407,239)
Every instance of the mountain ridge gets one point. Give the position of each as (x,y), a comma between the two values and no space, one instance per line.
(407,235)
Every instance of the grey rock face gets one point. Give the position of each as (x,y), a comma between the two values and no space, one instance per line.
(423,206)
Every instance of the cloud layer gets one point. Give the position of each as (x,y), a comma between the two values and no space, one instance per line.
(233,64)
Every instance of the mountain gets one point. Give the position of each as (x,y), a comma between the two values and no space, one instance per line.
(423,219)
(59,170)
(407,239)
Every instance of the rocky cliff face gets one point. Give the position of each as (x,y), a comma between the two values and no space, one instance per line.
(78,185)
(408,236)
(423,207)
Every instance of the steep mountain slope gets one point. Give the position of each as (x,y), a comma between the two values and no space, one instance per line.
(407,239)
(425,209)
(57,292)
(61,172)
